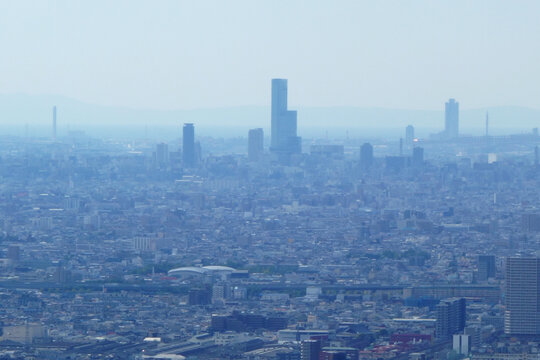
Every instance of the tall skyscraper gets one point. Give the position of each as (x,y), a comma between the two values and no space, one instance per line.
(409,135)
(283,137)
(255,144)
(366,156)
(486,267)
(162,154)
(451,119)
(188,145)
(54,122)
(522,315)
(451,317)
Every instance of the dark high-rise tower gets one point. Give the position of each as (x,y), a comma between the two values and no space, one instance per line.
(162,155)
(366,156)
(255,144)
(409,135)
(310,349)
(451,317)
(486,267)
(283,137)
(522,316)
(188,145)
(451,119)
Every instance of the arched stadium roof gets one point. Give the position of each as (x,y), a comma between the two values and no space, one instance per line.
(194,270)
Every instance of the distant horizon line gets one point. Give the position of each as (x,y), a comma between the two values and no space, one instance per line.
(373,107)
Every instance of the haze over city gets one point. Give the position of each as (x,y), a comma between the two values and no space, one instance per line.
(184,55)
(269,180)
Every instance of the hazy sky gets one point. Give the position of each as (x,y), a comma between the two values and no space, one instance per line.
(201,53)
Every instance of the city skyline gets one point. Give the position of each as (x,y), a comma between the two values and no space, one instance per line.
(20,112)
(270,180)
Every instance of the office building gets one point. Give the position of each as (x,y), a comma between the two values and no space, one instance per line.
(366,156)
(188,145)
(310,349)
(530,222)
(451,119)
(451,318)
(220,292)
(255,144)
(290,335)
(522,316)
(162,155)
(409,135)
(475,333)
(199,297)
(238,321)
(337,353)
(486,267)
(62,275)
(284,139)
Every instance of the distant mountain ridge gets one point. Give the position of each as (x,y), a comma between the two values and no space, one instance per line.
(36,110)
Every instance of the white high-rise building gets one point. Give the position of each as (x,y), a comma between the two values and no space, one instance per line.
(255,144)
(462,344)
